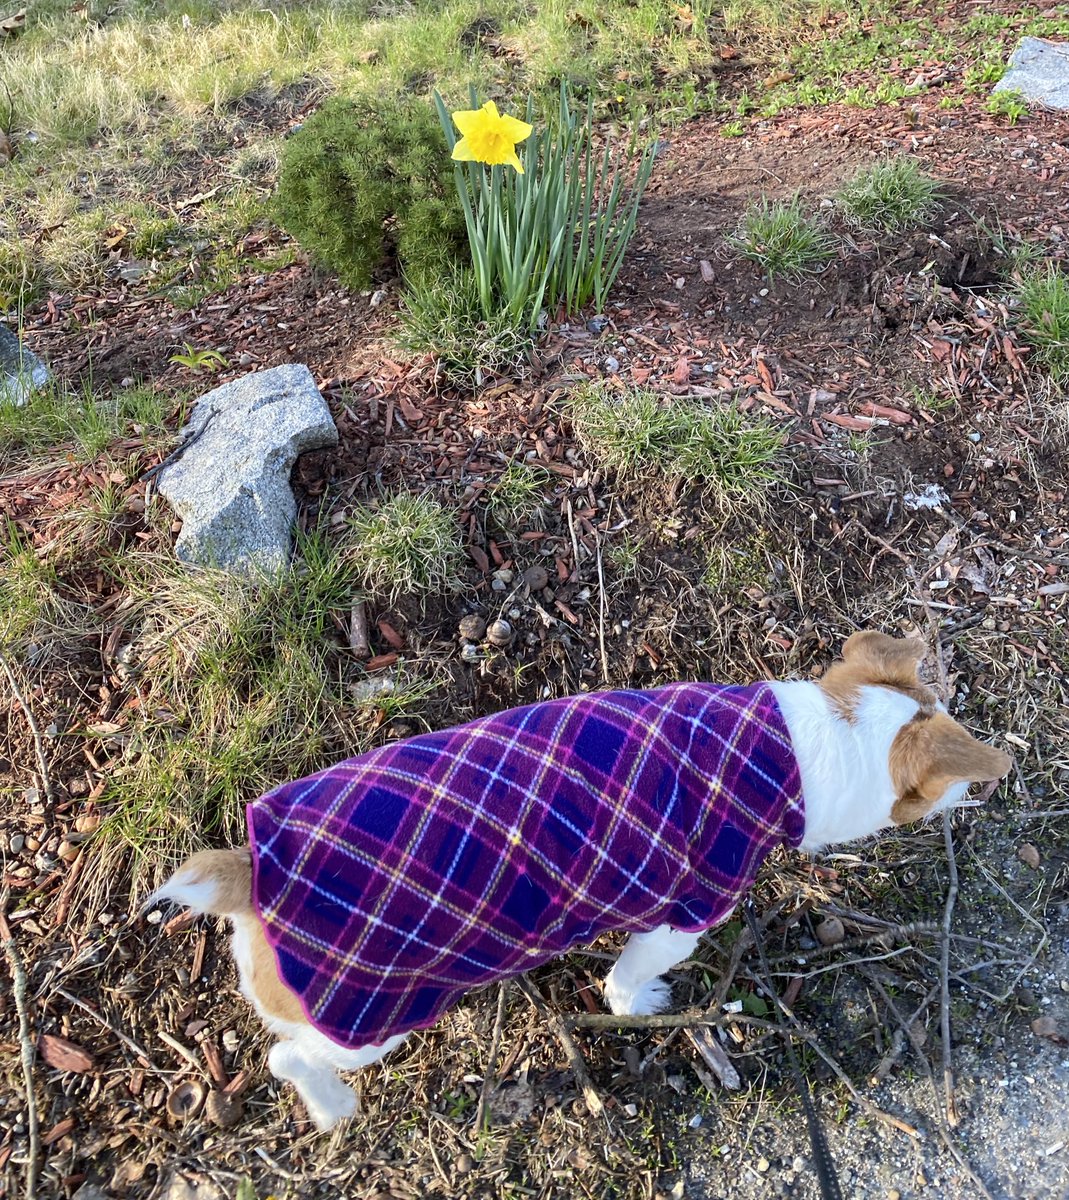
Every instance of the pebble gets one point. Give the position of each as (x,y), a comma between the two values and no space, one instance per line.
(610,364)
(798,1165)
(763,1164)
(464,1164)
(1029,855)
(16,843)
(536,577)
(231,1041)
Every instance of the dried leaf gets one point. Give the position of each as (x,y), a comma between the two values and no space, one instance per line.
(10,26)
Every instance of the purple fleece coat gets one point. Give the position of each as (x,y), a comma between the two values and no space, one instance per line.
(392,883)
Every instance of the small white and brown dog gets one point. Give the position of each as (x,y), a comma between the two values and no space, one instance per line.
(379,891)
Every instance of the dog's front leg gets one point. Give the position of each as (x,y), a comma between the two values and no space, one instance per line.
(634,987)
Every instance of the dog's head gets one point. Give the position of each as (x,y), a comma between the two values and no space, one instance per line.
(932,760)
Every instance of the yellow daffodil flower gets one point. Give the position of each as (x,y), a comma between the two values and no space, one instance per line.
(488,137)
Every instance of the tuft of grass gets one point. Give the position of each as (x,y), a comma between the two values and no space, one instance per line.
(246,686)
(889,195)
(782,239)
(638,435)
(516,499)
(410,543)
(27,592)
(87,423)
(1043,299)
(1009,104)
(443,316)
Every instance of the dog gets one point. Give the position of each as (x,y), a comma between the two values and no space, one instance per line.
(377,892)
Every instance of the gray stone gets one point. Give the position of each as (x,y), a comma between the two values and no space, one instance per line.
(1039,70)
(231,482)
(21,372)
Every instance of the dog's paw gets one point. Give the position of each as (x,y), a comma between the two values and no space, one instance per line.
(651,997)
(328,1102)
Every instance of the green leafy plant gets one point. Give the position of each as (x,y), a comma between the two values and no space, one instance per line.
(889,195)
(199,360)
(554,235)
(782,239)
(1009,104)
(366,176)
(517,497)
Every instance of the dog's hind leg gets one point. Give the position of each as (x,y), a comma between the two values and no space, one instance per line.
(634,987)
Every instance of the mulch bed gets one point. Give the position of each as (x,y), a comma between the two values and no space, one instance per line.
(130,1015)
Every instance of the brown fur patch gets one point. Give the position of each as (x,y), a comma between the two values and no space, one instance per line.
(274,997)
(932,753)
(872,659)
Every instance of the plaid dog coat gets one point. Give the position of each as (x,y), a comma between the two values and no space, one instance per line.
(394,882)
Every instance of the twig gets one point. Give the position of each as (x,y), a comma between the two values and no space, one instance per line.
(26,1047)
(491,1062)
(575,1058)
(140,1051)
(948,911)
(35,730)
(602,605)
(926,1066)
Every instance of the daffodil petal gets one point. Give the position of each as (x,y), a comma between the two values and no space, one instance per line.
(462,151)
(468,119)
(490,108)
(513,161)
(515,130)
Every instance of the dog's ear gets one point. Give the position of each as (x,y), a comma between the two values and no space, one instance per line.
(884,659)
(930,755)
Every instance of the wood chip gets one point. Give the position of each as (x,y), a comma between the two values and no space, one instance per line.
(715,1057)
(64,1055)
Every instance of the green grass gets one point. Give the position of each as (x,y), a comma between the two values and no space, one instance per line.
(641,436)
(1043,300)
(516,499)
(888,196)
(444,318)
(27,592)
(409,544)
(82,422)
(782,239)
(246,684)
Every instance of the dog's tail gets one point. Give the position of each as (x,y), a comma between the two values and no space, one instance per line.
(212,881)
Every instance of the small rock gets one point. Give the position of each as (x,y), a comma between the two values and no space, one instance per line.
(231,1041)
(597,324)
(894,1194)
(223,1110)
(763,1164)
(499,634)
(830,931)
(231,486)
(377,298)
(469,653)
(16,843)
(610,365)
(472,627)
(1049,1028)
(536,577)
(505,575)
(68,851)
(1029,855)
(87,823)
(21,372)
(464,1164)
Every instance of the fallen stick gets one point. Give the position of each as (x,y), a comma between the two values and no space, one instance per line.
(35,730)
(19,986)
(575,1059)
(491,1062)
